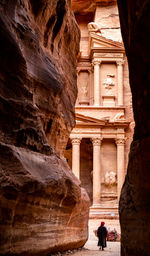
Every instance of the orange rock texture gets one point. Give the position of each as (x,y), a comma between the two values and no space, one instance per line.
(43,209)
(80,6)
(135,197)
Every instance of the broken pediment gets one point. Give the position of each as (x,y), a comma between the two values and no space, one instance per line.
(83,120)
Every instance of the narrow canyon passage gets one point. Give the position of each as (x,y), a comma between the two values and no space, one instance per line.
(91,248)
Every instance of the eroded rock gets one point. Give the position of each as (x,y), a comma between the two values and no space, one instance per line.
(43,207)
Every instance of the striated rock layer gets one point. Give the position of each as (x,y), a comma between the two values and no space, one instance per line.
(43,209)
(135,197)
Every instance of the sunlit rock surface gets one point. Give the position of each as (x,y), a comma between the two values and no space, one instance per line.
(82,6)
(135,198)
(42,207)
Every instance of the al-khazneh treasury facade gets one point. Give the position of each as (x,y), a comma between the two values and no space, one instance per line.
(99,144)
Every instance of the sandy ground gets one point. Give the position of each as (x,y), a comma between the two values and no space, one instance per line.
(91,248)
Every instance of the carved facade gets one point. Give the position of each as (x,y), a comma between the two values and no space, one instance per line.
(99,144)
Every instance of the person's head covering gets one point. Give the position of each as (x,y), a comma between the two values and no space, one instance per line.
(102,223)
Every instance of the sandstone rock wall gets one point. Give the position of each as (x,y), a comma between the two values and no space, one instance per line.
(43,39)
(108,19)
(82,6)
(135,197)
(42,206)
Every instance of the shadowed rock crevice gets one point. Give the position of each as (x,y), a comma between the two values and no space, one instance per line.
(49,25)
(60,12)
(37,6)
(54,24)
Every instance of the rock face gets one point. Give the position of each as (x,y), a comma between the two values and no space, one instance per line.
(80,6)
(43,209)
(135,197)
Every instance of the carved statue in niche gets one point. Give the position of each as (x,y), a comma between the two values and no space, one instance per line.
(110,178)
(94,27)
(83,90)
(109,83)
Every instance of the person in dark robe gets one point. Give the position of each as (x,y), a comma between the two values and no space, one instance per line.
(102,234)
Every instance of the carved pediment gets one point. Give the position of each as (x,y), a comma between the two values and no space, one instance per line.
(97,41)
(87,120)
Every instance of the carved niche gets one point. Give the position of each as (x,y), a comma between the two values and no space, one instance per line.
(110,179)
(83,87)
(108,84)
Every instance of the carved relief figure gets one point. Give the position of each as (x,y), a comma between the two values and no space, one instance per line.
(110,178)
(108,83)
(83,90)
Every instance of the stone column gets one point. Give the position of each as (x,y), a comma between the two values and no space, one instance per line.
(120,82)
(96,83)
(120,164)
(76,156)
(90,87)
(96,171)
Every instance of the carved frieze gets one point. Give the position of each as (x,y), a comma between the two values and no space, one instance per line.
(109,55)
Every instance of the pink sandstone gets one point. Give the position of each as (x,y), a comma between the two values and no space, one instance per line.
(43,207)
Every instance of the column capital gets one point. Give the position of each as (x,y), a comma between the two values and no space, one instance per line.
(120,141)
(120,62)
(87,69)
(96,62)
(96,141)
(76,141)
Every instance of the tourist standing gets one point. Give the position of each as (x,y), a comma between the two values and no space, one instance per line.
(102,234)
